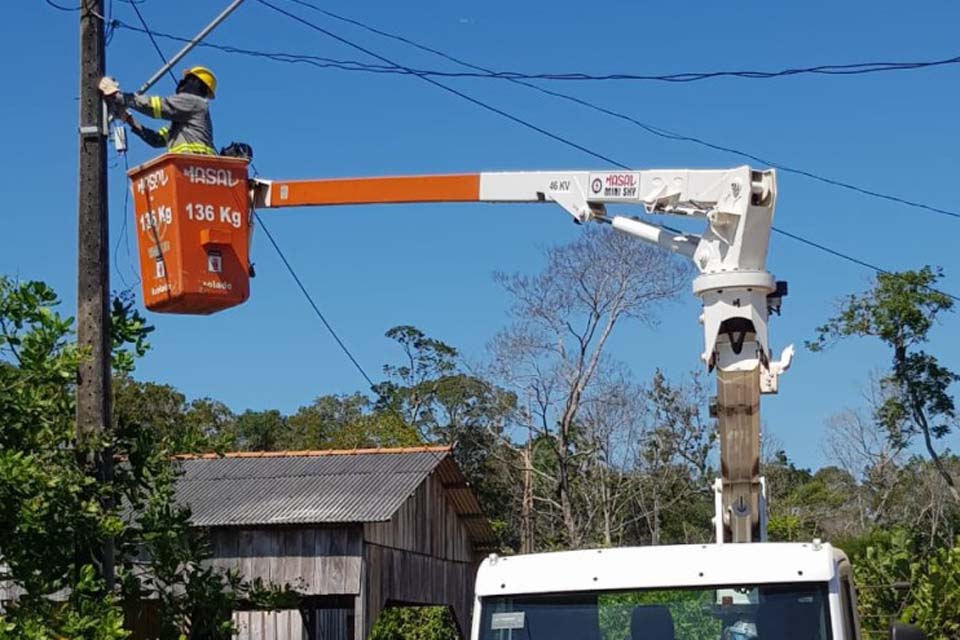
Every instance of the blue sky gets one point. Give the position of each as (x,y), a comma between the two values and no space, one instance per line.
(375,267)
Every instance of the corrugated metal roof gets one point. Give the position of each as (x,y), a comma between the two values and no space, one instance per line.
(319,487)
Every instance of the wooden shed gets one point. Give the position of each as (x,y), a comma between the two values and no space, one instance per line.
(352,531)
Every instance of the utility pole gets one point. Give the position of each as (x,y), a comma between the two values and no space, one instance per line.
(93,261)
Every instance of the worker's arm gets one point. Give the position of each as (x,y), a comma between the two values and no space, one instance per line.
(153,138)
(177,107)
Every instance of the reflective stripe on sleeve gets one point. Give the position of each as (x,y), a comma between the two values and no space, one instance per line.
(155,105)
(193,147)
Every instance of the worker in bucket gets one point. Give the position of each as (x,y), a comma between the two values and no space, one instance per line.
(190,129)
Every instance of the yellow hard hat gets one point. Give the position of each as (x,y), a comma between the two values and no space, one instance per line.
(205,76)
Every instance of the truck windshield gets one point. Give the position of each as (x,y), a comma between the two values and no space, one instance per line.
(757,612)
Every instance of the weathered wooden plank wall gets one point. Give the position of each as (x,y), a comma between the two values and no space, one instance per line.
(402,577)
(313,560)
(327,624)
(426,524)
(422,556)
(268,625)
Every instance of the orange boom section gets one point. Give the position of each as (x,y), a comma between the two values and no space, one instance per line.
(392,190)
(193,231)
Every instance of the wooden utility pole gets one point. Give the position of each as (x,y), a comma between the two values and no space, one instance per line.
(93,273)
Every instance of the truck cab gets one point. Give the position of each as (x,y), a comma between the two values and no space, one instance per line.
(780,591)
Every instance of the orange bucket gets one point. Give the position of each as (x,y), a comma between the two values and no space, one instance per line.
(192,214)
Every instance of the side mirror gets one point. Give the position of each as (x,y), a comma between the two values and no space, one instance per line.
(900,631)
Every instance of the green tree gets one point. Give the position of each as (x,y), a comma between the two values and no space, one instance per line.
(50,507)
(164,409)
(674,456)
(935,596)
(444,404)
(314,425)
(900,310)
(199,426)
(806,506)
(883,574)
(374,430)
(897,582)
(54,515)
(258,431)
(207,423)
(415,623)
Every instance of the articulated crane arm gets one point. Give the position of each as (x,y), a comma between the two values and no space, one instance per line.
(737,291)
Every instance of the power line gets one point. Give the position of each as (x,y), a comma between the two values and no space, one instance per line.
(349,65)
(447,88)
(313,305)
(657,131)
(329,327)
(278,56)
(483,73)
(855,68)
(124,237)
(857,261)
(60,6)
(330,62)
(146,28)
(793,236)
(685,77)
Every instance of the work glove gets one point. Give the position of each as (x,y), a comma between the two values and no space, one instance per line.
(125,116)
(109,87)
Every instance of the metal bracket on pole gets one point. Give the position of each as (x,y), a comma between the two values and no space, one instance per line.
(101,130)
(189,46)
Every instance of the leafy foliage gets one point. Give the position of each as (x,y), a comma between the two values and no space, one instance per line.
(897,582)
(935,598)
(900,310)
(556,440)
(54,515)
(415,623)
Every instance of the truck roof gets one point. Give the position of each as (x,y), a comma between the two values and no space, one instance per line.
(658,567)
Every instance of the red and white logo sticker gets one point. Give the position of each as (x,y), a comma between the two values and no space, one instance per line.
(615,186)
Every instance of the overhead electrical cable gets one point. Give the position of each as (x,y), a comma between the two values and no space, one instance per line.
(316,309)
(329,327)
(554,136)
(440,85)
(326,62)
(484,73)
(855,68)
(857,261)
(153,40)
(349,65)
(657,131)
(278,56)
(60,7)
(123,236)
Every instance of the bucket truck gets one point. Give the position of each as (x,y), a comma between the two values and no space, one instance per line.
(193,231)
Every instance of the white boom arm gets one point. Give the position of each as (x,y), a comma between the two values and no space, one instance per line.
(731,254)
(734,285)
